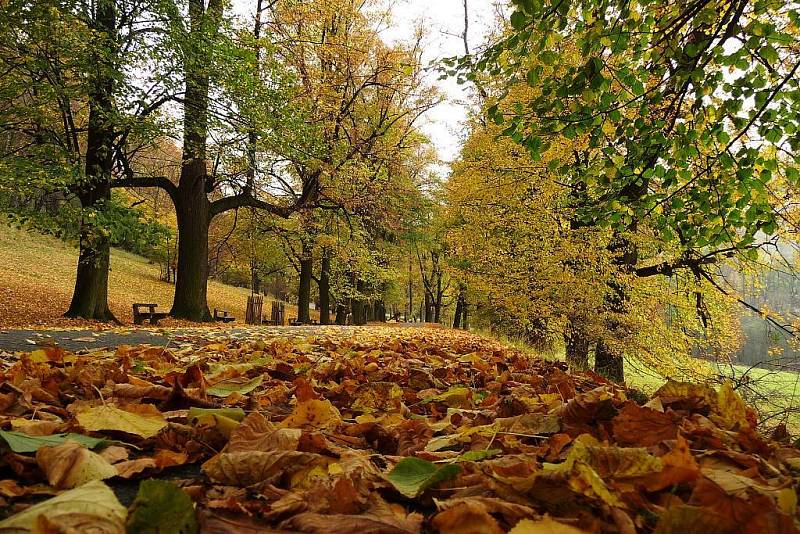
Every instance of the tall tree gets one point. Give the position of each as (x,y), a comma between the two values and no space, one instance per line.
(211,57)
(686,109)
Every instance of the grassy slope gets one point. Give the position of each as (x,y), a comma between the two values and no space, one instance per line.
(37,274)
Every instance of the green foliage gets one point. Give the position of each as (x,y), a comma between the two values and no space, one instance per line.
(23,443)
(686,114)
(161,507)
(411,476)
(127,227)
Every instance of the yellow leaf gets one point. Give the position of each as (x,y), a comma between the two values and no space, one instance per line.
(313,413)
(544,526)
(70,465)
(145,423)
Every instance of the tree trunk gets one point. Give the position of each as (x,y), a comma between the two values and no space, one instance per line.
(464,315)
(341,314)
(304,290)
(380,311)
(577,349)
(193,214)
(457,313)
(428,311)
(192,207)
(325,288)
(410,295)
(437,306)
(358,305)
(608,364)
(90,297)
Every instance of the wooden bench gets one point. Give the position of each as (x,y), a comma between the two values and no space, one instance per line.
(295,322)
(223,315)
(139,316)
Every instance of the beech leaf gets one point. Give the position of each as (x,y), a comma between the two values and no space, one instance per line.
(23,443)
(411,476)
(93,503)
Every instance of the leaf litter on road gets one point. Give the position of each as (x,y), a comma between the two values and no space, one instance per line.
(380,429)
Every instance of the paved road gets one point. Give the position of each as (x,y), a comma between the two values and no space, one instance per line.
(75,340)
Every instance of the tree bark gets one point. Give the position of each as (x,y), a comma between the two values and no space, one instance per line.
(90,296)
(428,311)
(304,289)
(193,214)
(192,206)
(577,349)
(325,288)
(608,364)
(341,314)
(465,315)
(437,305)
(457,313)
(358,305)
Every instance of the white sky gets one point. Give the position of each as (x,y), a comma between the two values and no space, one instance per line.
(444,22)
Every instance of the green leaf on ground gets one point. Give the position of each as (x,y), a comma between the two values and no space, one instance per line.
(161,506)
(411,476)
(237,414)
(23,443)
(226,387)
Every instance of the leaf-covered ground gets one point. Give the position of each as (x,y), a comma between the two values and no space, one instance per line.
(368,430)
(37,278)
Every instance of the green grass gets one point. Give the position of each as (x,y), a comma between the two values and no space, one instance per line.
(775,394)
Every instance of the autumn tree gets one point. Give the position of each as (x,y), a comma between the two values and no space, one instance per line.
(689,117)
(248,110)
(363,99)
(69,96)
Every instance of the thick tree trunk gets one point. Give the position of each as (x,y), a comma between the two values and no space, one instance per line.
(577,349)
(193,213)
(428,312)
(304,289)
(192,207)
(608,364)
(325,288)
(90,297)
(465,315)
(341,314)
(358,305)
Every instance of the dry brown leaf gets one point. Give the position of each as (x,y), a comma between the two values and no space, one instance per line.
(256,433)
(254,467)
(71,464)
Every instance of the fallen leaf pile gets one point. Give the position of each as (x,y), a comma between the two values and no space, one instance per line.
(373,430)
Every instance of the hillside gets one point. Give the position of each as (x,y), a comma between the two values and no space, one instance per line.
(38,273)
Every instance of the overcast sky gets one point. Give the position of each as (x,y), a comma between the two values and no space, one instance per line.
(444,22)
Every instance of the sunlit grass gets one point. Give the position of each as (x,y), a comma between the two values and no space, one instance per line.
(37,275)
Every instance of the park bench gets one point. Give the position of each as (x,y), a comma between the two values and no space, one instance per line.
(223,315)
(139,316)
(294,322)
